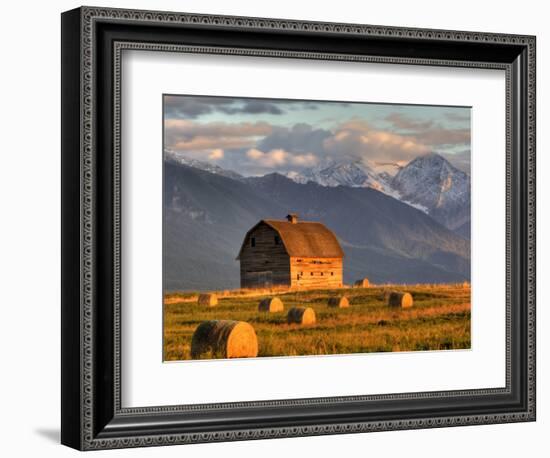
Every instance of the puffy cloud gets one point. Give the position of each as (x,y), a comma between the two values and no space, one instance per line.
(438,137)
(304,160)
(407,139)
(192,107)
(191,128)
(299,138)
(359,140)
(254,147)
(255,154)
(430,133)
(400,121)
(256,106)
(206,144)
(280,158)
(186,135)
(216,154)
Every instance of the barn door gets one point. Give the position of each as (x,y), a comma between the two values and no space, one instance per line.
(265,279)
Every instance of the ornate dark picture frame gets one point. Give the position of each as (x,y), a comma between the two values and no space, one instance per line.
(92,42)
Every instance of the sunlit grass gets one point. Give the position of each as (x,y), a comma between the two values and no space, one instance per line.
(439,320)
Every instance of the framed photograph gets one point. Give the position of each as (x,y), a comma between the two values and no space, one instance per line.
(276,228)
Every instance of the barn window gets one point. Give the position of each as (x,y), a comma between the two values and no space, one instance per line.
(332,274)
(277,240)
(252,242)
(311,273)
(322,274)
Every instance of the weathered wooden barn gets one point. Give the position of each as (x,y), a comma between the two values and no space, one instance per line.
(291,253)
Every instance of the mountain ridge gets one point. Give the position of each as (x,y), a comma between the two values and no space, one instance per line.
(354,173)
(439,178)
(207,215)
(179,158)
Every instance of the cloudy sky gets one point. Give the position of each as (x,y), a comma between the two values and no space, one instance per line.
(258,136)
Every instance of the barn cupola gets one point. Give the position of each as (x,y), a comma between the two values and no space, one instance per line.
(292,218)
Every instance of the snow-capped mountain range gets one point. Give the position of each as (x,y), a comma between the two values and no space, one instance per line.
(429,183)
(181,158)
(356,174)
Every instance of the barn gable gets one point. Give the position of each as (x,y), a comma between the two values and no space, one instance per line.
(246,240)
(302,239)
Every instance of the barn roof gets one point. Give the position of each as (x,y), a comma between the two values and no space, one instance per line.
(304,238)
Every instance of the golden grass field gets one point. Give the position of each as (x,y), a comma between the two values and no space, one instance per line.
(439,320)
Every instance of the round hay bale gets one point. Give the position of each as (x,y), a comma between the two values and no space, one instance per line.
(301,315)
(224,339)
(208,300)
(363,283)
(271,304)
(398,299)
(340,302)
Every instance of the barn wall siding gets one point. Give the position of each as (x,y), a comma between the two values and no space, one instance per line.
(264,257)
(316,272)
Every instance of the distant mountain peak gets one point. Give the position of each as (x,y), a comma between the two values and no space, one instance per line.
(431,160)
(273,176)
(432,166)
(434,183)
